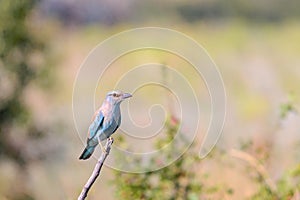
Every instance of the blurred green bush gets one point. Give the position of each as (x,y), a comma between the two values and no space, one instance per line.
(22,62)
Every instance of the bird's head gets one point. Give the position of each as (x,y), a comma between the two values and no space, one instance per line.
(116,97)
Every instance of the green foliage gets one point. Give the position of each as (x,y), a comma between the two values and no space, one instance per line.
(180,180)
(288,106)
(286,187)
(22,61)
(18,49)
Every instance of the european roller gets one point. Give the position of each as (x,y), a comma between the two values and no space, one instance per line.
(105,122)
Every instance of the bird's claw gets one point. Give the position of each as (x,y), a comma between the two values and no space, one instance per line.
(103,148)
(104,151)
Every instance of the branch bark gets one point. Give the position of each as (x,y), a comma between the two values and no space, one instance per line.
(96,171)
(259,167)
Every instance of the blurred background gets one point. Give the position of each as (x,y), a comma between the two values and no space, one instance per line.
(256,46)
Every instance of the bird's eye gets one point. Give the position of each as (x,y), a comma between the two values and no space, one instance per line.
(114,94)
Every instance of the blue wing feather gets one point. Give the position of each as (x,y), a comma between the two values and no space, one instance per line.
(96,125)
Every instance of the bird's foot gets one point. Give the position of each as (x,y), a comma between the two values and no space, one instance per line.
(110,139)
(102,148)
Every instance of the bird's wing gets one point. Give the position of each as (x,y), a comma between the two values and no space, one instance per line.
(96,124)
(118,122)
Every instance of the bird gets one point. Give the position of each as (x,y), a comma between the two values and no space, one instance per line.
(105,122)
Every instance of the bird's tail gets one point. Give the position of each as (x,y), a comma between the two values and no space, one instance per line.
(87,153)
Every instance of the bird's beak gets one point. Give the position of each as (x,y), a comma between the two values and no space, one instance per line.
(126,95)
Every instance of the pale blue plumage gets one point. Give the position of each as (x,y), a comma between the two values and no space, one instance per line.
(96,124)
(105,122)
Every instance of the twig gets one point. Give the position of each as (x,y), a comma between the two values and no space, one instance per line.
(96,171)
(255,163)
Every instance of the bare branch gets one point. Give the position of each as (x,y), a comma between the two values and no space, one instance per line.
(255,163)
(96,171)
